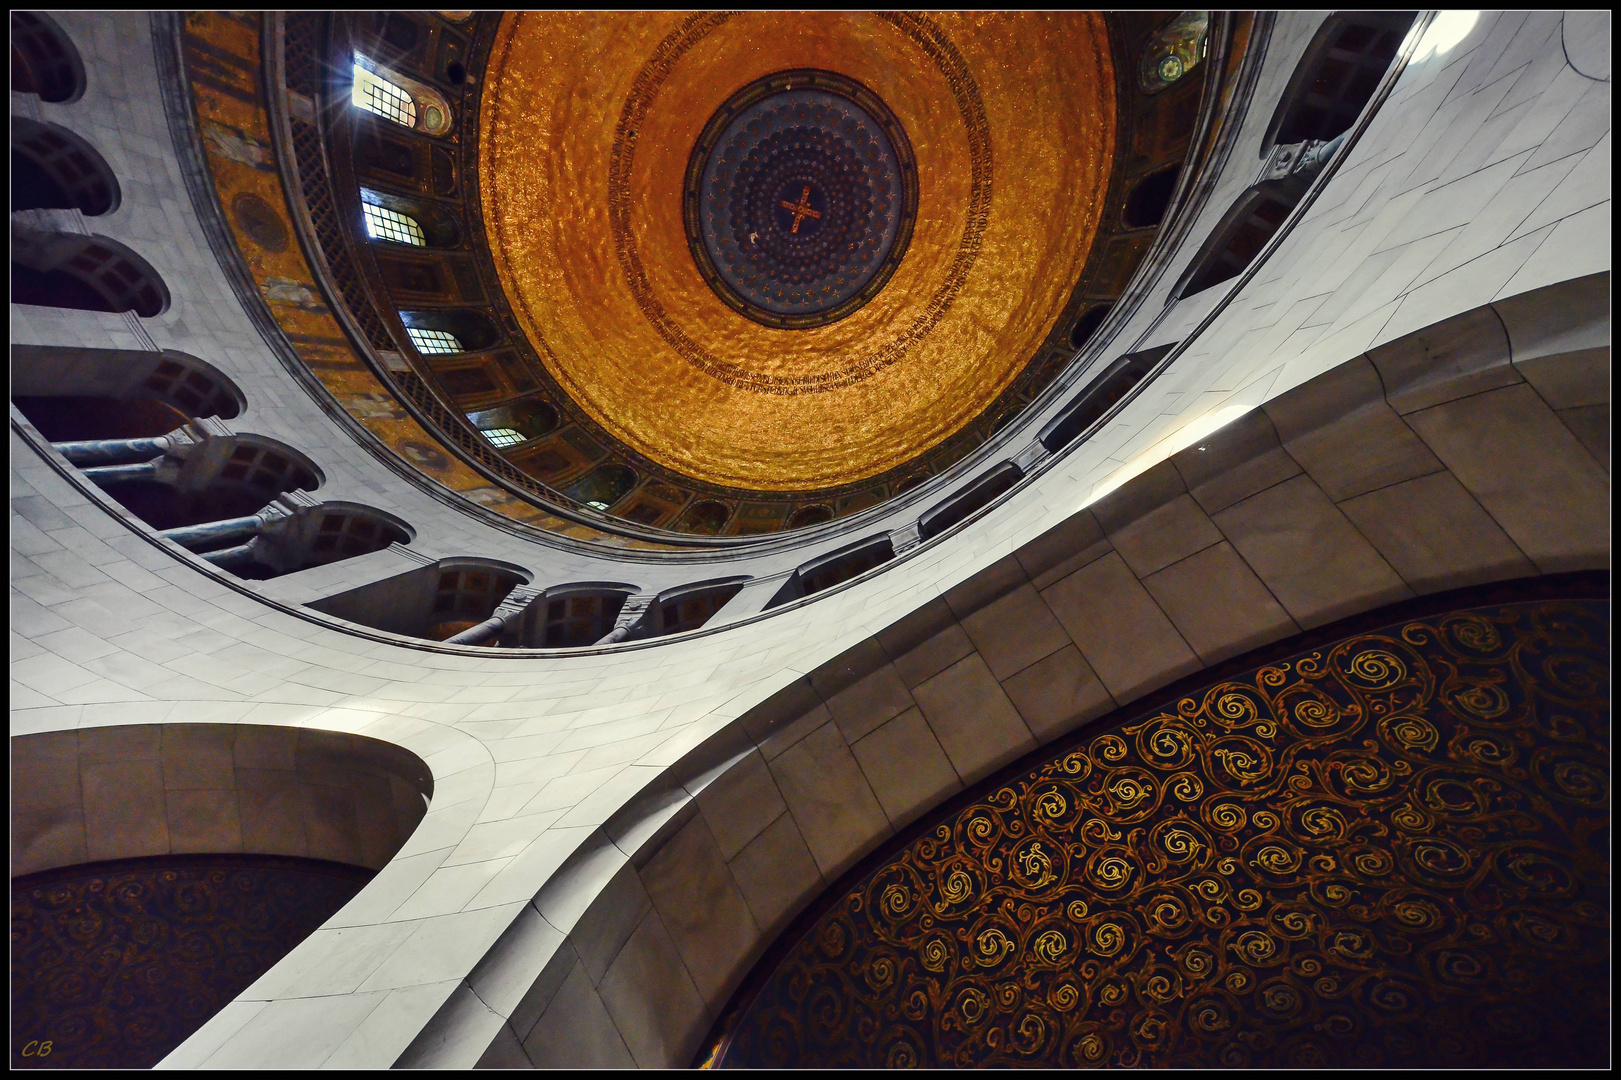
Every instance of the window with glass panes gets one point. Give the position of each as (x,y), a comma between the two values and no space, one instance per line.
(502,436)
(434,342)
(382,97)
(385,224)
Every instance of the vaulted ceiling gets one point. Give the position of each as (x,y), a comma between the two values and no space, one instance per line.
(589,122)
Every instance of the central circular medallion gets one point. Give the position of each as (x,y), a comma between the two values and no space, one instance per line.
(800,198)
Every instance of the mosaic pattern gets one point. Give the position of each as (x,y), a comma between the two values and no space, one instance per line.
(1387,852)
(944,55)
(800,198)
(116,964)
(223,65)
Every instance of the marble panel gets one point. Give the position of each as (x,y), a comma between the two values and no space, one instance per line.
(576,1032)
(703,909)
(652,999)
(1058,694)
(202,821)
(504,1052)
(430,1026)
(1529,473)
(1463,355)
(868,702)
(1014,631)
(831,802)
(1308,555)
(1218,605)
(740,803)
(1579,245)
(1339,428)
(1235,462)
(997,579)
(332,961)
(925,642)
(598,899)
(977,725)
(1120,630)
(197,756)
(1161,536)
(1591,425)
(298,1033)
(124,816)
(777,873)
(1063,549)
(445,947)
(271,808)
(1435,534)
(905,766)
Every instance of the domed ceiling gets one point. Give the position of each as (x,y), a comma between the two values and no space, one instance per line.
(678,275)
(787,251)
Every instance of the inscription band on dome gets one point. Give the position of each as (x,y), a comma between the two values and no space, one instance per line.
(799,199)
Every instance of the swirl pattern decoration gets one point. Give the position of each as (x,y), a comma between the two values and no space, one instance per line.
(116,964)
(1388,852)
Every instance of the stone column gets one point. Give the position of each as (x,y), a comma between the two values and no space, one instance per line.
(506,612)
(117,474)
(629,618)
(213,533)
(113,451)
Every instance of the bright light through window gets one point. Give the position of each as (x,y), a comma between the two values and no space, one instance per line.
(1449,28)
(433,342)
(385,224)
(383,98)
(502,436)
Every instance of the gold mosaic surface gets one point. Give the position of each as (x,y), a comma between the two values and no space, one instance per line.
(588,119)
(224,66)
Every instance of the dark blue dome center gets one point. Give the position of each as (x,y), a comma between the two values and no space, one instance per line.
(799,200)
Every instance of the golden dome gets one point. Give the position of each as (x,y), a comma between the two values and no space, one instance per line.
(588,122)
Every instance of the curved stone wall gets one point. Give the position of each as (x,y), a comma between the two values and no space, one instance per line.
(541,891)
(106,793)
(1431,464)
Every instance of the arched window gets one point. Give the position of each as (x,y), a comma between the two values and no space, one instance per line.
(399,98)
(43,59)
(1088,324)
(502,436)
(509,425)
(52,168)
(975,497)
(347,530)
(209,479)
(434,342)
(90,273)
(385,224)
(602,488)
(1337,75)
(314,534)
(377,95)
(834,568)
(71,394)
(806,516)
(576,619)
(1148,201)
(704,518)
(467,331)
(434,602)
(1237,238)
(691,606)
